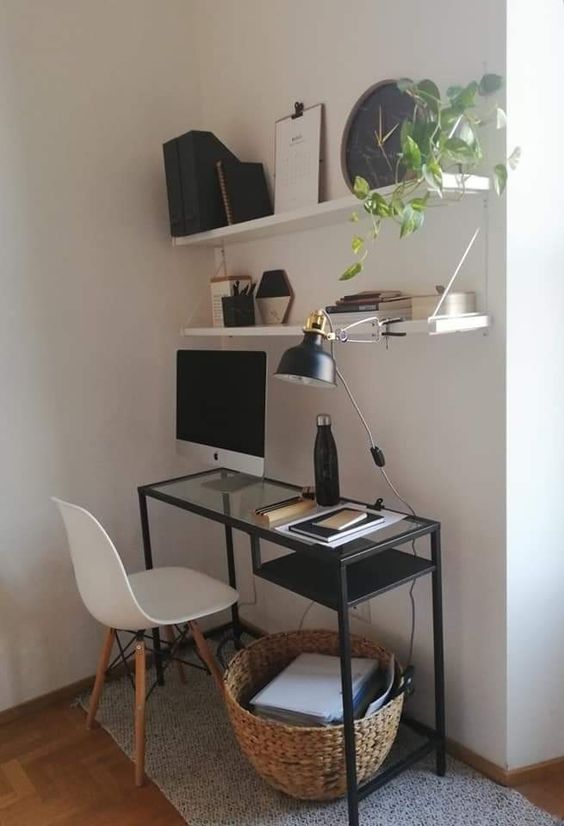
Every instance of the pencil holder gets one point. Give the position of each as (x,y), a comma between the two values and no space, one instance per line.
(238,310)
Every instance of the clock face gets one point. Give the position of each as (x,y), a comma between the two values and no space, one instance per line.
(371,140)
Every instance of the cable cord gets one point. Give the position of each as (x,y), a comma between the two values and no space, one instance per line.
(304,615)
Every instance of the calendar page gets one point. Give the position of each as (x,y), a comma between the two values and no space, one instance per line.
(298,144)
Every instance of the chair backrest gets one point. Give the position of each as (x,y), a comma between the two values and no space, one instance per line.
(101,578)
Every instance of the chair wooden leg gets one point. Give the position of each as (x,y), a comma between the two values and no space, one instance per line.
(170,637)
(206,654)
(100,676)
(140,695)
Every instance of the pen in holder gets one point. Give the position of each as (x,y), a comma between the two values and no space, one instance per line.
(238,310)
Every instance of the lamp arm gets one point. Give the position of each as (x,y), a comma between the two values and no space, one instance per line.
(377,454)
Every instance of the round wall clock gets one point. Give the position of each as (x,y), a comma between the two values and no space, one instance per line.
(371,139)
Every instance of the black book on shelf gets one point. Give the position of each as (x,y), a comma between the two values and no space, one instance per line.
(194,196)
(243,190)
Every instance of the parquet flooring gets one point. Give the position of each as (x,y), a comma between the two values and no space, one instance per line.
(55,773)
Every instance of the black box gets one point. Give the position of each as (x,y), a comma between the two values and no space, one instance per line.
(194,196)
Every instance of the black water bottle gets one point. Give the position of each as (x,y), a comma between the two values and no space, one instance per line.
(326,463)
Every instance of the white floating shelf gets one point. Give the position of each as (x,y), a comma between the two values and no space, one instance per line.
(321,215)
(271,330)
(435,326)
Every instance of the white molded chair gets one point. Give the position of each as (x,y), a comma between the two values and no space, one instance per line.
(149,599)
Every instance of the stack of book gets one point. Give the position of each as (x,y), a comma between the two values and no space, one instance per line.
(386,304)
(308,691)
(339,523)
(363,302)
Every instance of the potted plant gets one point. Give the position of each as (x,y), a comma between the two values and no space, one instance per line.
(442,135)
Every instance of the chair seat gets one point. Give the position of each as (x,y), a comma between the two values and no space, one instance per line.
(174,595)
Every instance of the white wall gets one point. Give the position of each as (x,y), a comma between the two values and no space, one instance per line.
(535,386)
(93,295)
(92,298)
(436,405)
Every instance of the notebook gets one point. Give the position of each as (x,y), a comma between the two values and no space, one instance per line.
(243,190)
(315,530)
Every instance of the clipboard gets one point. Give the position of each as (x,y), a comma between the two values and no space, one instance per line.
(297,158)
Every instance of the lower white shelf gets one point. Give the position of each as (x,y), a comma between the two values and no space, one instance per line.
(434,326)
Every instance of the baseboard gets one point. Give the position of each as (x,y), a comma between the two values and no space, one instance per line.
(60,695)
(505,777)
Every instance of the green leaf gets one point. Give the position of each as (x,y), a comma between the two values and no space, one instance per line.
(490,84)
(397,206)
(466,133)
(433,175)
(357,244)
(361,188)
(429,92)
(376,204)
(425,133)
(453,92)
(500,118)
(466,98)
(514,158)
(500,178)
(411,221)
(351,271)
(375,231)
(406,130)
(448,117)
(354,217)
(459,151)
(419,204)
(411,154)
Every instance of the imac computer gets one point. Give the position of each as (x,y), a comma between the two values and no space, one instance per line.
(221,408)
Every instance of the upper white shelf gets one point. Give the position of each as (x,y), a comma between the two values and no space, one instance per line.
(320,215)
(431,326)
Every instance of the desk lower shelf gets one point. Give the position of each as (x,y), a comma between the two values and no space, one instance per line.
(366,579)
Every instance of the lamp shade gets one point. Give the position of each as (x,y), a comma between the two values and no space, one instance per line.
(308,363)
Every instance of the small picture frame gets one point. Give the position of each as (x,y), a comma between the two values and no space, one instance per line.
(274,297)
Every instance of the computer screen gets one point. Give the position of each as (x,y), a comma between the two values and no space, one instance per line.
(221,406)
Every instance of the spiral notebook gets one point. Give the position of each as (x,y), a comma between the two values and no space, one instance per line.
(243,191)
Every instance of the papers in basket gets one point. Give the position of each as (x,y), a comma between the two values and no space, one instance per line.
(308,691)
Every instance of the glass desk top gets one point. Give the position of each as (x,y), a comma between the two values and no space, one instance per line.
(203,493)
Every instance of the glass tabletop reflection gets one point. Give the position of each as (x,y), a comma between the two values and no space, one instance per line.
(232,494)
(226,492)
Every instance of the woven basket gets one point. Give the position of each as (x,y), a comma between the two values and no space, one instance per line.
(304,762)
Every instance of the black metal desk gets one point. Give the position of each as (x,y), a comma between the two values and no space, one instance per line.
(335,577)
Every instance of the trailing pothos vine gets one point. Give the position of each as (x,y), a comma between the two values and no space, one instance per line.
(443,135)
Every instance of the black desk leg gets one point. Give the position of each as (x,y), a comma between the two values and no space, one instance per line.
(348,711)
(438,645)
(237,630)
(149,565)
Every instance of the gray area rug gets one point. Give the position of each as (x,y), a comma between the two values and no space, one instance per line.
(194,759)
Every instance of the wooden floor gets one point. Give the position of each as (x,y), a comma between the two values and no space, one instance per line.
(53,771)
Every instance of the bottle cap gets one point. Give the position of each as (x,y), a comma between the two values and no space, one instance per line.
(323,419)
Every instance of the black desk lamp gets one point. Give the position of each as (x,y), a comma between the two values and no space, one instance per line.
(308,363)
